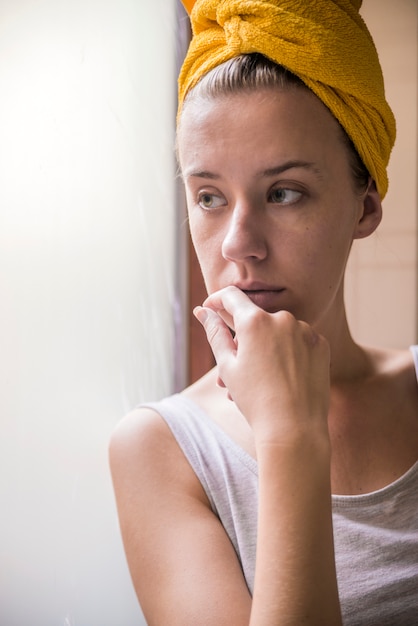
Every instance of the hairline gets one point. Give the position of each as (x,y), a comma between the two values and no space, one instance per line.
(254,73)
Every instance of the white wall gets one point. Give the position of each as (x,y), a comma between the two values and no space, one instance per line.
(86,286)
(382,279)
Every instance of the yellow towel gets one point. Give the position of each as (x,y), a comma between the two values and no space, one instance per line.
(324,42)
(188,5)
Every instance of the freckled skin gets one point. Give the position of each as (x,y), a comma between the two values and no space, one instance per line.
(301,246)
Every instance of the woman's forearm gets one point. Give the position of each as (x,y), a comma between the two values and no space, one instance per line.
(277,370)
(295,580)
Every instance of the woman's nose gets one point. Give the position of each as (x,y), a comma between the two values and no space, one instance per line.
(244,238)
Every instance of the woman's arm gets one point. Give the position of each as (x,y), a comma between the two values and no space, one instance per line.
(183,566)
(276,369)
(295,581)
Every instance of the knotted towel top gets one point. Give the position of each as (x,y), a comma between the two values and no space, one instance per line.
(324,42)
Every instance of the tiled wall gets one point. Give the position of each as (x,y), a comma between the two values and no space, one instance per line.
(381,283)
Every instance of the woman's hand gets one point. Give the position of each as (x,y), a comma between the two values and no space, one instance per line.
(276,368)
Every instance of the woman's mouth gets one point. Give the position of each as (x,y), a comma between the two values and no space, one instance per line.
(268,299)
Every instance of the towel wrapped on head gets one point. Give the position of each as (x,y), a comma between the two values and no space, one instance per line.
(324,42)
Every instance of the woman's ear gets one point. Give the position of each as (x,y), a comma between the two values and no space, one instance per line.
(371,212)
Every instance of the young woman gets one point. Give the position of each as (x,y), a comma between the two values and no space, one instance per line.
(282,487)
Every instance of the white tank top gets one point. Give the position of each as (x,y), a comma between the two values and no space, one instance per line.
(375,534)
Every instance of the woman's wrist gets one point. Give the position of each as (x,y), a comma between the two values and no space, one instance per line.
(287,436)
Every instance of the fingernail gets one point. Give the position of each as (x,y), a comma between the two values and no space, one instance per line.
(200,314)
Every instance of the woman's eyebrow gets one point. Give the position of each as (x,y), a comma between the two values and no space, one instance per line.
(201,174)
(271,171)
(288,165)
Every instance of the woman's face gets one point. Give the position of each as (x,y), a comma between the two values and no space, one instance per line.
(271,199)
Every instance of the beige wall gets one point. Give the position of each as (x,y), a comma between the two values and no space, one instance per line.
(381,287)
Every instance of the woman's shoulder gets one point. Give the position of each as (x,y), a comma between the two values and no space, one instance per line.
(136,438)
(143,445)
(144,429)
(393,373)
(391,362)
(393,387)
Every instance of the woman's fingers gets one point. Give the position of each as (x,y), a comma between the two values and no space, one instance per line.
(228,303)
(217,332)
(272,356)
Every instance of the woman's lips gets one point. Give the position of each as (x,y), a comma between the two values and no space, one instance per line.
(270,300)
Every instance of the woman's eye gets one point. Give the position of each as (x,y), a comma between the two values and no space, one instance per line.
(284,196)
(210,201)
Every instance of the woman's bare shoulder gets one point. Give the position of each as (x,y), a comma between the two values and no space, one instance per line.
(136,432)
(143,433)
(390,362)
(144,426)
(142,444)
